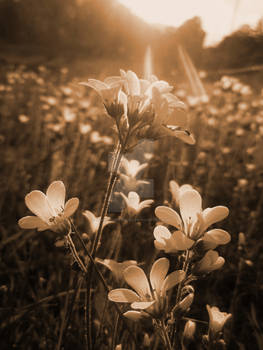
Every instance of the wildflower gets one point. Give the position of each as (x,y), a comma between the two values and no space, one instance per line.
(149,299)
(217,320)
(210,262)
(132,168)
(114,100)
(133,204)
(177,190)
(193,220)
(117,268)
(94,221)
(50,209)
(170,117)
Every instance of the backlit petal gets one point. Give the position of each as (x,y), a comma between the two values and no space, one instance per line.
(168,216)
(31,222)
(123,295)
(133,83)
(37,202)
(137,279)
(134,199)
(217,236)
(141,305)
(134,315)
(71,206)
(95,84)
(56,193)
(145,204)
(161,232)
(172,279)
(190,205)
(213,215)
(174,189)
(158,272)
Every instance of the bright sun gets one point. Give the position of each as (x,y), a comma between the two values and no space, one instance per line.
(219,17)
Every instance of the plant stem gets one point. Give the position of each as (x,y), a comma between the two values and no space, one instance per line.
(111,183)
(166,337)
(93,264)
(178,299)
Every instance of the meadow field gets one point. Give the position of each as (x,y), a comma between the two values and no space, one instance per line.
(52,128)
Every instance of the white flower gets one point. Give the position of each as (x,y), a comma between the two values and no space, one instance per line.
(132,167)
(170,116)
(177,190)
(133,204)
(50,209)
(148,298)
(193,221)
(217,320)
(94,221)
(115,100)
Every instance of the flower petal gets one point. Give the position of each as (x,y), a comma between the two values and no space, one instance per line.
(71,206)
(134,315)
(158,272)
(213,215)
(95,84)
(137,279)
(123,295)
(37,202)
(31,222)
(141,305)
(168,216)
(190,206)
(180,242)
(133,83)
(134,199)
(174,189)
(217,236)
(172,279)
(145,204)
(161,233)
(56,193)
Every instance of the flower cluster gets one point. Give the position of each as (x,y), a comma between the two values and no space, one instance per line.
(149,299)
(141,108)
(191,228)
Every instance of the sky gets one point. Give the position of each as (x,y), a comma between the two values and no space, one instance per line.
(219,17)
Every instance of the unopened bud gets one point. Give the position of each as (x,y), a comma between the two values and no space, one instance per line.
(189,331)
(146,340)
(185,303)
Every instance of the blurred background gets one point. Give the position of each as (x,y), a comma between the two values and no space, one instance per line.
(218,35)
(51,128)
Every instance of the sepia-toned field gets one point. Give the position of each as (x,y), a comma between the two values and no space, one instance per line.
(52,128)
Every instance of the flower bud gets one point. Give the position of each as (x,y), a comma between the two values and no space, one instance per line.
(210,262)
(188,334)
